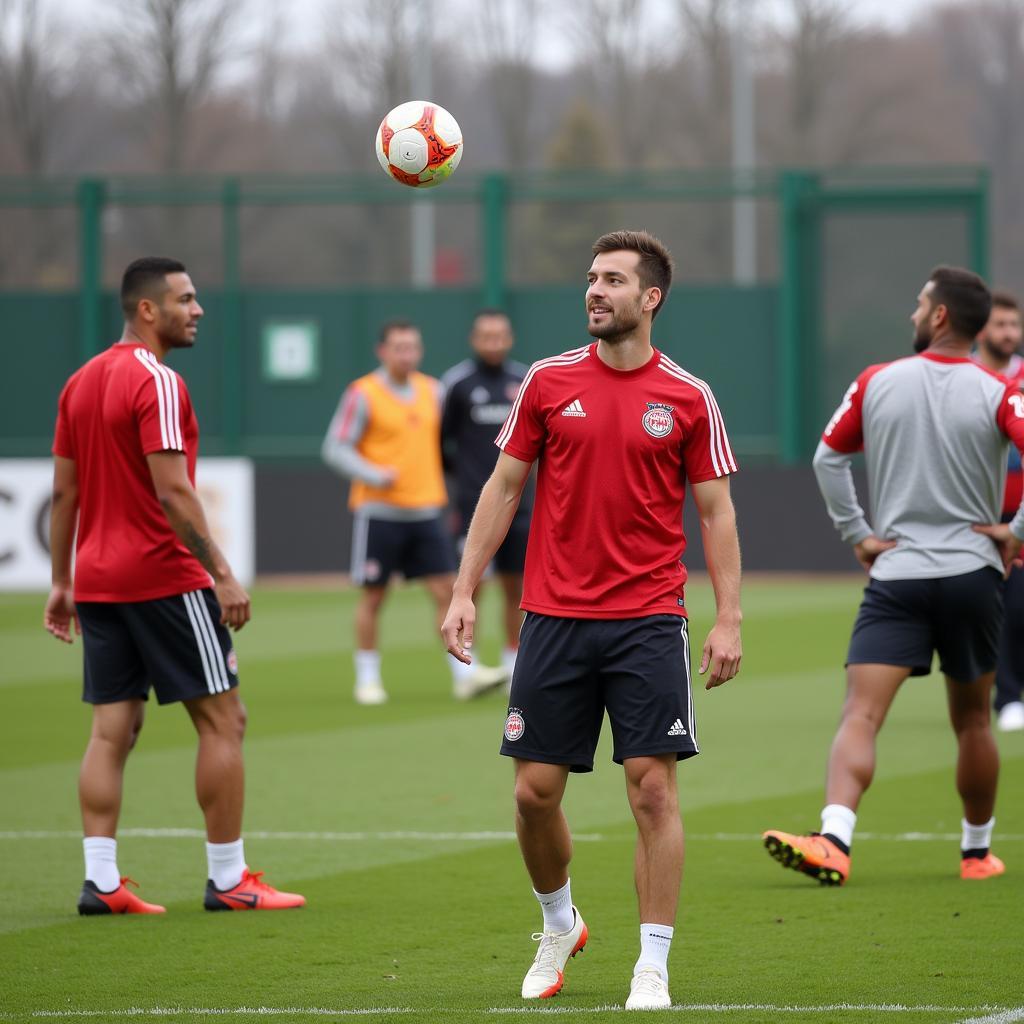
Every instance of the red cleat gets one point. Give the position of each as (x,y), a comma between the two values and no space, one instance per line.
(251,893)
(812,854)
(981,867)
(120,901)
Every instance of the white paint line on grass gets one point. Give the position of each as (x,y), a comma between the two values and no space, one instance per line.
(238,1011)
(457,837)
(993,1015)
(1002,1017)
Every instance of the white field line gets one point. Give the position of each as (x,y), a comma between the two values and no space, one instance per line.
(994,1015)
(1002,1017)
(457,837)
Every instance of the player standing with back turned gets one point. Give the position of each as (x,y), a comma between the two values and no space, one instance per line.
(934,430)
(617,429)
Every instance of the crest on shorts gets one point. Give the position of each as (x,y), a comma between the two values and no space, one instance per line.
(371,570)
(233,662)
(515,725)
(658,420)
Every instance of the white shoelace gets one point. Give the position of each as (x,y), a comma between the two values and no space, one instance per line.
(545,958)
(648,982)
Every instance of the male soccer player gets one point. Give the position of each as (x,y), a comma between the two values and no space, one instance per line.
(152,592)
(999,351)
(386,438)
(617,429)
(478,396)
(934,431)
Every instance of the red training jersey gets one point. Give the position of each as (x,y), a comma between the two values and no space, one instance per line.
(615,449)
(120,407)
(1014,472)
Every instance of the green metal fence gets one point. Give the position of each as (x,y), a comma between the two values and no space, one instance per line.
(841,255)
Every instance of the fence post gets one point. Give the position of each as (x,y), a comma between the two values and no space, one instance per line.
(798,223)
(90,266)
(494,216)
(233,366)
(980,226)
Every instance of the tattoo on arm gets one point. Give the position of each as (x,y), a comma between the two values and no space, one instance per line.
(200,546)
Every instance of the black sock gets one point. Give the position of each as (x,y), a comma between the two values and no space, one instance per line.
(842,846)
(979,854)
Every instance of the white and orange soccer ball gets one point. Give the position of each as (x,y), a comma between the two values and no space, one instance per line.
(419,144)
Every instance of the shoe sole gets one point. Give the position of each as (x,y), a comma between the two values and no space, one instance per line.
(555,989)
(790,857)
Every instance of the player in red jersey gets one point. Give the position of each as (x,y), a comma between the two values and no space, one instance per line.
(617,429)
(999,350)
(152,592)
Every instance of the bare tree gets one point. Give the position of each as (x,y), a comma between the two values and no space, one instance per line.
(32,83)
(507,33)
(984,44)
(615,47)
(169,56)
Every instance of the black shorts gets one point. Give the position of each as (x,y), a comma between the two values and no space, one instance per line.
(380,547)
(176,645)
(902,622)
(569,671)
(510,558)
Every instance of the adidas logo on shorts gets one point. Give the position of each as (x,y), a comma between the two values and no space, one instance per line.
(678,729)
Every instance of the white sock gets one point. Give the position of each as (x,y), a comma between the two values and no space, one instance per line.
(557,908)
(839,821)
(101,862)
(225,863)
(976,837)
(367,668)
(508,659)
(655,942)
(460,670)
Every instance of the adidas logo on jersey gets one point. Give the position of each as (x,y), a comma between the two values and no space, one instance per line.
(678,729)
(574,409)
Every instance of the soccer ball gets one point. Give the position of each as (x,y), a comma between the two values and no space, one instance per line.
(419,144)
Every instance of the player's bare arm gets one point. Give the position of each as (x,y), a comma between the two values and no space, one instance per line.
(1009,545)
(60,606)
(495,510)
(723,649)
(185,513)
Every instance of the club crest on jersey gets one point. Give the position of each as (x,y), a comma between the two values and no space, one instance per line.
(658,420)
(512,390)
(515,725)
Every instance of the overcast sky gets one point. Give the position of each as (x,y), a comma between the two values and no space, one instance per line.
(305,17)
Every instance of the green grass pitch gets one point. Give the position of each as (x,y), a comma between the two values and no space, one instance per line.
(394,821)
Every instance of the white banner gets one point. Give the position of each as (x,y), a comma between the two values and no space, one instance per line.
(225,487)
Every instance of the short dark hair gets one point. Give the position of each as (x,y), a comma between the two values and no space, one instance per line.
(146,278)
(1005,300)
(397,324)
(965,296)
(656,263)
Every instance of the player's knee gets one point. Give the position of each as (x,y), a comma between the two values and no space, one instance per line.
(651,795)
(533,799)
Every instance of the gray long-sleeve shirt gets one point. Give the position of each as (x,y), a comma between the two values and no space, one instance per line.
(934,431)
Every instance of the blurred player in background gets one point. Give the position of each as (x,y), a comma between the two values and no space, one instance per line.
(152,592)
(478,396)
(999,350)
(617,429)
(386,438)
(934,430)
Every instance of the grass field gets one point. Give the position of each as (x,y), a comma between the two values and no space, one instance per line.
(394,821)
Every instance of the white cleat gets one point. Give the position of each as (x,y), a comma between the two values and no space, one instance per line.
(481,680)
(545,976)
(372,694)
(648,991)
(1011,717)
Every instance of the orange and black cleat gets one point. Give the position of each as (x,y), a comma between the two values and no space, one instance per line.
(813,854)
(94,901)
(251,893)
(981,867)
